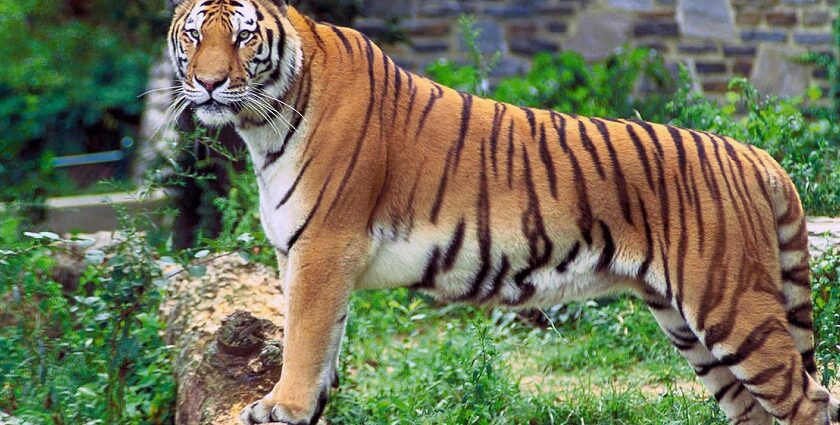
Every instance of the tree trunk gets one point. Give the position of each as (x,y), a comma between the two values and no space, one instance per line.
(225,327)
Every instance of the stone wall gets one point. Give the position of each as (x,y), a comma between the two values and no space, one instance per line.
(717,39)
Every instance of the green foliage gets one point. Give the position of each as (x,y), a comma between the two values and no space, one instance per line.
(565,82)
(825,281)
(86,352)
(807,148)
(69,81)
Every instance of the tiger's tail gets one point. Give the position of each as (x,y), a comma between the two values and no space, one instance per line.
(796,277)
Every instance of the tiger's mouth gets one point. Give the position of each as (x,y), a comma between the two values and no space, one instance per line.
(215,113)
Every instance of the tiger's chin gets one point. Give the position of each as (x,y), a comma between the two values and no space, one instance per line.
(215,114)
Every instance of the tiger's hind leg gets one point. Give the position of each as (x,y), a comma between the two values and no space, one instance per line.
(739,405)
(749,335)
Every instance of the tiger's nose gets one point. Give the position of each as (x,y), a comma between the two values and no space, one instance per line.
(210,84)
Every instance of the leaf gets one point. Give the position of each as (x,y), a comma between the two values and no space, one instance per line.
(33,235)
(197,271)
(95,256)
(203,253)
(245,237)
(51,235)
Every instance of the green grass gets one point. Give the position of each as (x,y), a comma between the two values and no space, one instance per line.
(406,362)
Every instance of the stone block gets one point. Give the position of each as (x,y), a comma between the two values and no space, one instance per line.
(446,8)
(386,8)
(532,46)
(800,2)
(715,86)
(816,17)
(557,27)
(510,11)
(521,29)
(555,9)
(712,19)
(812,39)
(776,71)
(733,51)
(426,27)
(764,36)
(510,66)
(698,49)
(632,5)
(429,46)
(710,67)
(749,18)
(491,37)
(372,27)
(655,28)
(599,34)
(742,68)
(781,19)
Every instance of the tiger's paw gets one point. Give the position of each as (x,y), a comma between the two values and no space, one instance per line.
(266,411)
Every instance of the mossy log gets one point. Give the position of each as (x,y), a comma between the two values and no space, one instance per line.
(225,327)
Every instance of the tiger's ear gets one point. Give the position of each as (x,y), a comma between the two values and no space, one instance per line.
(172,4)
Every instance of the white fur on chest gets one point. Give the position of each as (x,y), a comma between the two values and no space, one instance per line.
(276,181)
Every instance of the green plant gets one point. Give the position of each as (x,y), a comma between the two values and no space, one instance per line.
(69,83)
(83,349)
(807,148)
(565,82)
(825,281)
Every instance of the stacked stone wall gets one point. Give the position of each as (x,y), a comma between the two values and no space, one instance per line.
(716,39)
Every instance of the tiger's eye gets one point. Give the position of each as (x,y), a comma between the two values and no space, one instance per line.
(244,35)
(194,34)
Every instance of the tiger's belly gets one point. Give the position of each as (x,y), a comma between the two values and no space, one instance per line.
(457,269)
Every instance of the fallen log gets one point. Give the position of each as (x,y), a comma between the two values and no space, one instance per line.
(225,327)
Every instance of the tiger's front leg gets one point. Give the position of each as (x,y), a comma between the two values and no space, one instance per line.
(318,283)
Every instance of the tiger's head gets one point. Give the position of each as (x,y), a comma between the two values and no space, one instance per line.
(232,55)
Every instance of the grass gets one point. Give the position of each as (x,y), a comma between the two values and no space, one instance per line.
(406,362)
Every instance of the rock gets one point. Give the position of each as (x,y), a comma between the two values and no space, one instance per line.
(599,34)
(387,9)
(706,19)
(823,232)
(811,39)
(632,5)
(776,71)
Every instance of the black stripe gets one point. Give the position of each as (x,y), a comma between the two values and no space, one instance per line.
(292,189)
(567,260)
(431,271)
(608,252)
(343,38)
(454,247)
(590,147)
(292,240)
(511,152)
(436,93)
(498,280)
(444,181)
(532,121)
(618,173)
(585,221)
(466,113)
(539,244)
(547,161)
(643,269)
(482,222)
(498,115)
(365,126)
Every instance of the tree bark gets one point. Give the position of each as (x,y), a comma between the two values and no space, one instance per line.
(225,327)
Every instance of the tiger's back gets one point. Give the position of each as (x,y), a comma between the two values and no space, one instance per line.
(373,177)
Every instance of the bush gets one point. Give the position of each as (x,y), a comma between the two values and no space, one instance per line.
(69,82)
(85,349)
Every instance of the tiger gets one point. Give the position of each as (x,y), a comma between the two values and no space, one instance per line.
(373,177)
